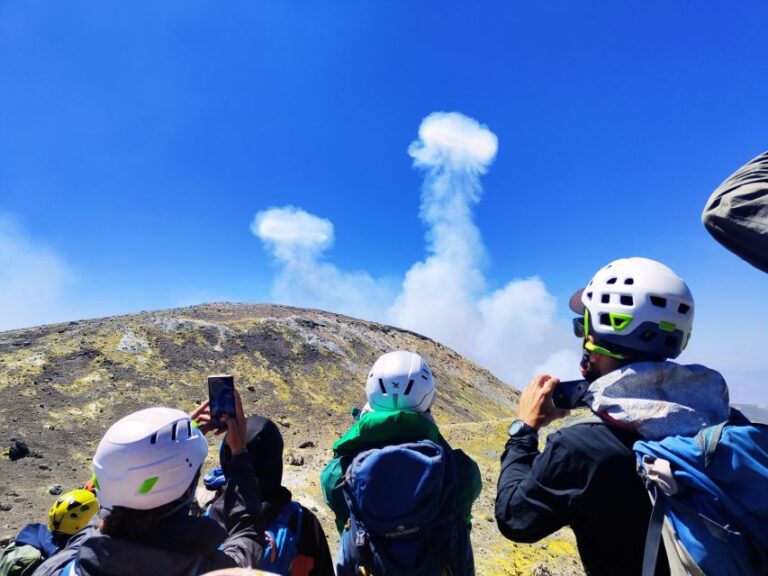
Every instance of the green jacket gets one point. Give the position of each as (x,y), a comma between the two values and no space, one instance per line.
(377,429)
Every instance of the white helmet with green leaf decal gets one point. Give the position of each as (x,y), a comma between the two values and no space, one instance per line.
(148,459)
(637,306)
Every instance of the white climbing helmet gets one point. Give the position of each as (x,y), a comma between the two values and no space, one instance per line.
(400,380)
(147,459)
(637,305)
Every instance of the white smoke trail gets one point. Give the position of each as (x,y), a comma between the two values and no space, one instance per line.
(33,279)
(297,240)
(510,330)
(513,331)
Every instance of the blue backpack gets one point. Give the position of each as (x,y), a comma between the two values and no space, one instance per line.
(403,515)
(282,543)
(710,495)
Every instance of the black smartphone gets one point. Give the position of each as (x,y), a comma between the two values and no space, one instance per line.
(221,398)
(568,394)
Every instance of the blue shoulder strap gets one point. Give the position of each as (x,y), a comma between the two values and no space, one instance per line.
(70,569)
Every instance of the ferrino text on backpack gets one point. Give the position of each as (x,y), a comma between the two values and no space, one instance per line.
(403,515)
(710,494)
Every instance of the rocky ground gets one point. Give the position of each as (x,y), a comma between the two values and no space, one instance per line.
(62,385)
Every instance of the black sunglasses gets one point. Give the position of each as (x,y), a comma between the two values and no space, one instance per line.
(578,327)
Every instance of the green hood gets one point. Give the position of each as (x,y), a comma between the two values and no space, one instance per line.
(375,429)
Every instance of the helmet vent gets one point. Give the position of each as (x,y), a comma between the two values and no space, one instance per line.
(670,341)
(408,388)
(173,432)
(605,319)
(605,298)
(683,308)
(627,300)
(381,385)
(153,438)
(611,280)
(589,295)
(659,301)
(629,281)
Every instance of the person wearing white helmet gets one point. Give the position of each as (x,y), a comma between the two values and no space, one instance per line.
(146,468)
(635,315)
(400,391)
(400,380)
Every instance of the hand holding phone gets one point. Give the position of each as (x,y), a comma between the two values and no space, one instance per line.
(221,399)
(535,406)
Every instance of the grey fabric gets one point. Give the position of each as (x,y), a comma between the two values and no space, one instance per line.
(659,399)
(737,212)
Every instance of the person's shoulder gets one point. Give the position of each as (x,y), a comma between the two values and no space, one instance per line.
(592,437)
(381,428)
(308,516)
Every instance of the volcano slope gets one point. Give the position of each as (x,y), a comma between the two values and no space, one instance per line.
(62,385)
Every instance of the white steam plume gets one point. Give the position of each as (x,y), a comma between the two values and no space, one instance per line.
(297,240)
(33,279)
(513,331)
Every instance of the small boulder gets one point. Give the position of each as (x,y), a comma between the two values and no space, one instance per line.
(307,444)
(295,460)
(5,507)
(55,490)
(18,449)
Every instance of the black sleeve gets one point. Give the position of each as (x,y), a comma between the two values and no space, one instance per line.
(536,490)
(241,511)
(315,545)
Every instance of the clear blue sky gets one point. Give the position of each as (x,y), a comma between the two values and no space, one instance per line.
(138,141)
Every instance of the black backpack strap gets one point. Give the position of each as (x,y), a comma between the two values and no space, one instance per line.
(361,540)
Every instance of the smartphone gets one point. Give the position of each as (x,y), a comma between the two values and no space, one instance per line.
(568,394)
(221,398)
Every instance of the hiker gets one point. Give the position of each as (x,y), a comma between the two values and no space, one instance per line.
(146,468)
(70,513)
(295,542)
(634,315)
(409,492)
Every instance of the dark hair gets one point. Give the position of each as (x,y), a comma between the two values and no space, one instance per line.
(132,524)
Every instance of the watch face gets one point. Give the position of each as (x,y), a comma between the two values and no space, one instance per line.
(515,427)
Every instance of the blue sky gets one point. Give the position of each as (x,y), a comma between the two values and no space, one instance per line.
(139,141)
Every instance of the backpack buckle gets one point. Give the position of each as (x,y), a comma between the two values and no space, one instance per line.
(360,538)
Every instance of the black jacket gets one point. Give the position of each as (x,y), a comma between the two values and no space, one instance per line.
(177,545)
(313,545)
(585,478)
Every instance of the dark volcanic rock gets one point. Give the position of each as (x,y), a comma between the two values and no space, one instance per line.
(18,450)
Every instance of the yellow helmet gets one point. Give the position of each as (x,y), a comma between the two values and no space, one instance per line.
(72,511)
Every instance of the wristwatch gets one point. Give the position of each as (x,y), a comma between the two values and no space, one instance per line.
(519,428)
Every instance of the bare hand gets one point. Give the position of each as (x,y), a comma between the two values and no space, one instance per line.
(236,427)
(202,415)
(535,407)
